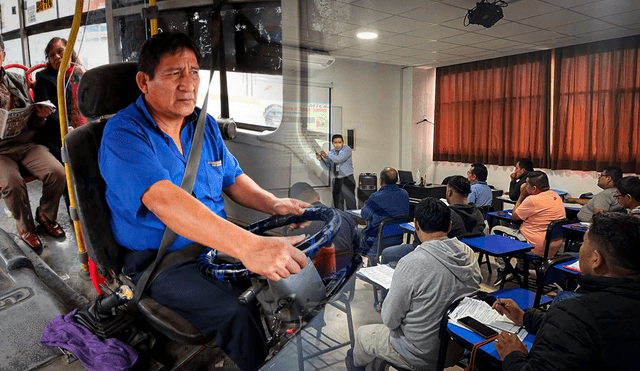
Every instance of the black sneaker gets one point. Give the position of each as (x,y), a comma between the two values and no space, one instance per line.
(348,361)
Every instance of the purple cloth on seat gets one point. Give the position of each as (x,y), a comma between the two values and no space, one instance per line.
(95,354)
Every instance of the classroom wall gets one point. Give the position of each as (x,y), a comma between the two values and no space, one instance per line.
(375,102)
(370,95)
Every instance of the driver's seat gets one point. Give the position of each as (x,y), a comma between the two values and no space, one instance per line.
(104,91)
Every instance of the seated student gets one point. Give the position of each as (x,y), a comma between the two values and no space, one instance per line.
(465,219)
(598,330)
(603,201)
(480,192)
(388,201)
(537,206)
(518,176)
(440,271)
(344,239)
(628,194)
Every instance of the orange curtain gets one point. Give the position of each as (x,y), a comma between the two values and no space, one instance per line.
(597,106)
(493,111)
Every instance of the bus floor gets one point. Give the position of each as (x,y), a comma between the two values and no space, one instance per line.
(60,254)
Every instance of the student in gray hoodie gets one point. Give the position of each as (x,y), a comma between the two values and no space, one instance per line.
(425,282)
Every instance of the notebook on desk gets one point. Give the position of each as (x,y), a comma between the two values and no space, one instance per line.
(575,266)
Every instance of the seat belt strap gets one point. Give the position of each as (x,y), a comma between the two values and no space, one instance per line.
(188,181)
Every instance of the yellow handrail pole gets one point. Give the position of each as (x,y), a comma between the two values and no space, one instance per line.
(62,108)
(153,22)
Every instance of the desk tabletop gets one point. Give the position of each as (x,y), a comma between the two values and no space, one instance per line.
(504,214)
(578,227)
(409,227)
(561,267)
(497,245)
(505,198)
(473,338)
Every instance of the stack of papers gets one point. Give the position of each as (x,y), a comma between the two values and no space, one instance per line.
(380,274)
(482,312)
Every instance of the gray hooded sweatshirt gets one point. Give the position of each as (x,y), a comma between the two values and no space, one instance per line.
(424,284)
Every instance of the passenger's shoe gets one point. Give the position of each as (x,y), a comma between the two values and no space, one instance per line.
(377,306)
(348,361)
(52,228)
(30,238)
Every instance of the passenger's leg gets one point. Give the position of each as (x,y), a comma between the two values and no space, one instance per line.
(348,191)
(337,194)
(44,166)
(372,341)
(213,307)
(14,192)
(394,253)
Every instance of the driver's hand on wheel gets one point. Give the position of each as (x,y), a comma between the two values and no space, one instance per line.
(275,257)
(286,206)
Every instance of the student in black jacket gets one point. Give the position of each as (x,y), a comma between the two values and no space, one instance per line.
(598,330)
(518,176)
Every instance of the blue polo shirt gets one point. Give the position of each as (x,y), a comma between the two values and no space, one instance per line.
(135,154)
(481,194)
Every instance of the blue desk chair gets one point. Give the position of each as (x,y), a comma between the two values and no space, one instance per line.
(555,231)
(389,234)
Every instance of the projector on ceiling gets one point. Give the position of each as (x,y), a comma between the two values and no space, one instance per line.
(485,13)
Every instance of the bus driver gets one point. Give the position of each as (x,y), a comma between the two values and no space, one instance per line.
(142,158)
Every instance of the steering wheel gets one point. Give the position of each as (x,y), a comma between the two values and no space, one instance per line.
(310,246)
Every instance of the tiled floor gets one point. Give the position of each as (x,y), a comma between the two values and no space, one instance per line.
(62,256)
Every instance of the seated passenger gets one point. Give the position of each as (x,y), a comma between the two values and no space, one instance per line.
(440,271)
(480,192)
(537,206)
(389,201)
(142,159)
(518,176)
(597,330)
(18,149)
(603,201)
(47,90)
(465,219)
(344,239)
(628,194)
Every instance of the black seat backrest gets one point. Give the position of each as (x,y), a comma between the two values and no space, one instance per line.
(389,233)
(554,232)
(107,89)
(103,90)
(82,146)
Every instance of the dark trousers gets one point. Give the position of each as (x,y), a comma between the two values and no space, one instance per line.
(344,192)
(209,304)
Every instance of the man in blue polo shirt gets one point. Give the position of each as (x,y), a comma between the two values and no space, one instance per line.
(143,157)
(480,192)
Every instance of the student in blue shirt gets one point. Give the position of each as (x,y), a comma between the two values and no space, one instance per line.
(339,161)
(143,157)
(480,192)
